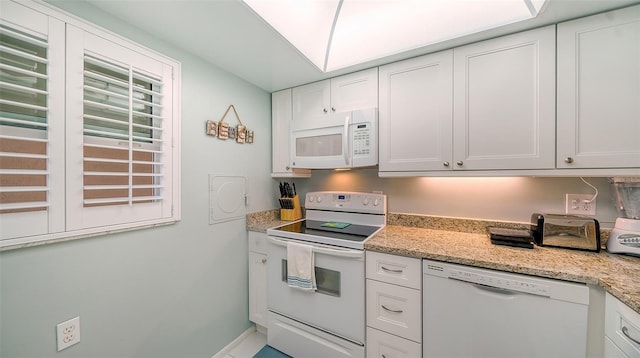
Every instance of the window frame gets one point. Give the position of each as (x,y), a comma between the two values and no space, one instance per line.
(64,219)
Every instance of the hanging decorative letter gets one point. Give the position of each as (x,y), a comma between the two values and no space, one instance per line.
(223,130)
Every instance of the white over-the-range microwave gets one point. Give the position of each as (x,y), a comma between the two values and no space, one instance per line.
(336,141)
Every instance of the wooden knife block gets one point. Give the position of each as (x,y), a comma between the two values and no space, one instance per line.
(292,214)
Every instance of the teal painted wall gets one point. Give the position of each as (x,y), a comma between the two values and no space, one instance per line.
(174,291)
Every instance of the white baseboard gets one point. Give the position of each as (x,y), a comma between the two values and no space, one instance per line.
(224,351)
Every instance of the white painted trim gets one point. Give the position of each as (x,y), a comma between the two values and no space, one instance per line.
(229,347)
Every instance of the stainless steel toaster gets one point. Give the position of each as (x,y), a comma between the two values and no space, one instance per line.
(566,231)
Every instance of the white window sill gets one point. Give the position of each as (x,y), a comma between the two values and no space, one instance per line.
(23,242)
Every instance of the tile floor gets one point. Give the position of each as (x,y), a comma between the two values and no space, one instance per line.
(249,346)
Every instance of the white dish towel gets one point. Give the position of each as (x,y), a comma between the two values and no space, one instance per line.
(300,267)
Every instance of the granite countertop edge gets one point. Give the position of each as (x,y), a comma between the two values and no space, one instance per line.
(465,242)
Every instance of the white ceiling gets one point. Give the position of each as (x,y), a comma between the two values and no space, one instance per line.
(228,34)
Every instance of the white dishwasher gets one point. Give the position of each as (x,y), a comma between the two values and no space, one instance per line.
(472,312)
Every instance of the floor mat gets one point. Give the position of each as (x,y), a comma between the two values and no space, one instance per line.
(270,352)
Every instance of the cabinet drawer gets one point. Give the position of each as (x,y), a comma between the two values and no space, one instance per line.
(622,326)
(399,270)
(258,242)
(611,350)
(381,344)
(394,309)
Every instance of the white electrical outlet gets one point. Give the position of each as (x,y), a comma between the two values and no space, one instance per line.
(68,333)
(580,204)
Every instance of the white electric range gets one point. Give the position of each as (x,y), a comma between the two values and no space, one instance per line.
(330,321)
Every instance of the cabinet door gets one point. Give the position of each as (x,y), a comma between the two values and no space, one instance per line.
(416,114)
(281,116)
(311,100)
(504,102)
(357,90)
(258,288)
(599,91)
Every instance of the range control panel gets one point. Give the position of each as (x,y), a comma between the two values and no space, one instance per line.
(357,202)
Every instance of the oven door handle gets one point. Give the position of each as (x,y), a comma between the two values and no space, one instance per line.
(349,253)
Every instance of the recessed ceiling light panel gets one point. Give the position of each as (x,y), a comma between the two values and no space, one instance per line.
(334,34)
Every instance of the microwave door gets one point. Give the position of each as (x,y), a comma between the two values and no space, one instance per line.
(321,142)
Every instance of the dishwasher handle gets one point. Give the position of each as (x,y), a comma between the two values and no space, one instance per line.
(500,284)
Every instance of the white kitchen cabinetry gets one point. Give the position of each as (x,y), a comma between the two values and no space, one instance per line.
(504,102)
(394,311)
(621,328)
(281,116)
(484,106)
(599,91)
(415,116)
(258,278)
(357,90)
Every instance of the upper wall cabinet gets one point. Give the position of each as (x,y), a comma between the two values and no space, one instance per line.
(281,108)
(504,102)
(416,113)
(599,91)
(340,94)
(485,106)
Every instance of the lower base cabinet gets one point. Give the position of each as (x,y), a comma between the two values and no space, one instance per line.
(394,306)
(258,278)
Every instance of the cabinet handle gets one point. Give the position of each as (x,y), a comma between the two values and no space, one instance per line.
(324,110)
(568,160)
(390,270)
(287,167)
(394,311)
(446,164)
(333,109)
(625,331)
(459,163)
(264,261)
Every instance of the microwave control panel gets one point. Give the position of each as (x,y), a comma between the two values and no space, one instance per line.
(361,139)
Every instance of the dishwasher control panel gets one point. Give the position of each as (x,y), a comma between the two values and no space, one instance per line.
(500,282)
(508,281)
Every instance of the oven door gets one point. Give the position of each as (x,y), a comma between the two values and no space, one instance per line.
(337,306)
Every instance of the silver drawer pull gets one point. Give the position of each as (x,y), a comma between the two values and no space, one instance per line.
(625,331)
(390,270)
(398,311)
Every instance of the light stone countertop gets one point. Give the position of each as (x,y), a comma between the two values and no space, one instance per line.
(617,274)
(261,221)
(464,241)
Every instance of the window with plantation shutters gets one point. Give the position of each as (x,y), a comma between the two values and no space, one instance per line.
(23,117)
(119,127)
(89,129)
(122,135)
(119,134)
(28,163)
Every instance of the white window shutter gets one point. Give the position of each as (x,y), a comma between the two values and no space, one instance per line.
(119,134)
(31,84)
